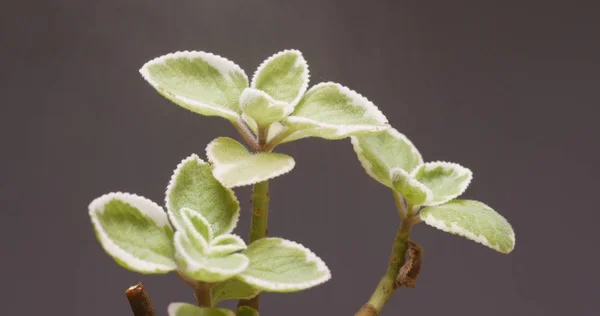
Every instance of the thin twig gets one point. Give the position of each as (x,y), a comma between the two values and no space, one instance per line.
(139,301)
(246,134)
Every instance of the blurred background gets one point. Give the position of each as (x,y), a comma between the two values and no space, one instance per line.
(506,88)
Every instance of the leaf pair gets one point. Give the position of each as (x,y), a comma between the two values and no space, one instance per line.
(277,96)
(138,234)
(392,159)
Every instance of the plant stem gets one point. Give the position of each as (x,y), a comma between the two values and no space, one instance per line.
(203,294)
(246,134)
(260,212)
(139,301)
(387,285)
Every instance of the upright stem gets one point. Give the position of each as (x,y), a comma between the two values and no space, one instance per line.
(387,285)
(260,212)
(203,294)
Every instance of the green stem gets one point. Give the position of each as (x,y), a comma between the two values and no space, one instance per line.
(260,213)
(387,285)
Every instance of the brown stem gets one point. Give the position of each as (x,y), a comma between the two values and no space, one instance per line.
(203,294)
(139,301)
(246,134)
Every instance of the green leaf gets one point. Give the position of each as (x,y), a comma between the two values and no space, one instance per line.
(415,192)
(193,186)
(199,266)
(134,231)
(279,265)
(262,108)
(196,228)
(381,153)
(185,309)
(446,180)
(473,220)
(232,289)
(284,76)
(234,166)
(246,311)
(226,244)
(332,111)
(200,82)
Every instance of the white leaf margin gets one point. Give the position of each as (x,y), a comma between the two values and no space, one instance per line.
(253,93)
(458,230)
(214,249)
(305,75)
(146,207)
(190,229)
(413,182)
(220,168)
(428,166)
(360,101)
(193,265)
(222,64)
(290,287)
(366,163)
(173,180)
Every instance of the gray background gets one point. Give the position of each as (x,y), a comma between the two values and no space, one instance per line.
(507,88)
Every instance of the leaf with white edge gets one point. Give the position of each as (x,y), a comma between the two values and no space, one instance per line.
(197,229)
(134,231)
(332,111)
(279,265)
(193,186)
(262,108)
(200,82)
(473,220)
(234,165)
(379,154)
(226,244)
(185,309)
(201,267)
(246,311)
(232,289)
(415,192)
(284,76)
(446,180)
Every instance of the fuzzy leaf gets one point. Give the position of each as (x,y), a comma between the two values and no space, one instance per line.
(232,289)
(134,231)
(246,311)
(199,266)
(234,166)
(446,180)
(284,76)
(412,190)
(196,228)
(185,309)
(226,244)
(381,153)
(332,111)
(262,108)
(473,220)
(200,82)
(193,186)
(279,265)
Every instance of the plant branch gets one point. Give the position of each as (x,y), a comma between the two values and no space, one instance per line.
(278,139)
(400,205)
(387,285)
(260,212)
(139,301)
(203,294)
(246,134)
